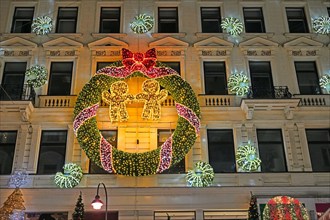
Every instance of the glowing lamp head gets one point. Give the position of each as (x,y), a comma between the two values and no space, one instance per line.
(97,202)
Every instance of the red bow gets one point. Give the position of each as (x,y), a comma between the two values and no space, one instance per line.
(139,61)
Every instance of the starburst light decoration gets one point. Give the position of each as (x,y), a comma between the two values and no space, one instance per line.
(172,151)
(42,25)
(238,83)
(325,82)
(201,176)
(18,178)
(285,207)
(142,23)
(70,178)
(247,158)
(232,26)
(36,76)
(321,25)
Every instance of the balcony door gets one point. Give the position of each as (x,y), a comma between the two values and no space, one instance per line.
(261,79)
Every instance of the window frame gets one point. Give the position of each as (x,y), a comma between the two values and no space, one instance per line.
(224,75)
(50,76)
(117,21)
(177,20)
(270,93)
(202,19)
(318,88)
(261,19)
(304,19)
(58,18)
(13,151)
(14,19)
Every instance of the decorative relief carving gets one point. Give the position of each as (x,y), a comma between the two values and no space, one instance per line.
(252,53)
(173,53)
(266,53)
(311,53)
(214,52)
(220,53)
(55,53)
(304,53)
(9,53)
(161,53)
(69,53)
(297,53)
(16,53)
(112,53)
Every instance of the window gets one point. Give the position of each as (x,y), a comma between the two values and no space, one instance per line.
(328,11)
(12,81)
(271,150)
(173,65)
(221,150)
(22,20)
(111,137)
(261,79)
(296,20)
(110,20)
(7,150)
(60,78)
(100,65)
(178,168)
(254,20)
(168,21)
(319,148)
(67,20)
(52,152)
(307,77)
(215,78)
(211,20)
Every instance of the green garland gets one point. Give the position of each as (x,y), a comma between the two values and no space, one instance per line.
(71,177)
(201,176)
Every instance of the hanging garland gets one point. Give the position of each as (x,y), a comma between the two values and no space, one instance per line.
(142,23)
(285,207)
(71,177)
(238,83)
(321,25)
(233,26)
(36,76)
(325,82)
(247,158)
(201,176)
(42,25)
(99,150)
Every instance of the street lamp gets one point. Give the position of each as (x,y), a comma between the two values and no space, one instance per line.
(97,202)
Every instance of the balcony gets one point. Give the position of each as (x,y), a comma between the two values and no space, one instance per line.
(16,92)
(46,101)
(278,92)
(313,100)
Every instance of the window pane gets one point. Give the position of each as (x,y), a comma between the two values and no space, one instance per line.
(254,20)
(67,20)
(307,77)
(271,150)
(261,79)
(22,20)
(221,150)
(7,151)
(168,20)
(110,20)
(319,148)
(52,152)
(211,20)
(296,20)
(215,78)
(60,78)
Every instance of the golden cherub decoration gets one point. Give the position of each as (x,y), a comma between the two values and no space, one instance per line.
(117,99)
(152,98)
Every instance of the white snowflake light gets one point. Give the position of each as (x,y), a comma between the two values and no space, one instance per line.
(18,178)
(325,82)
(17,215)
(142,23)
(36,76)
(321,25)
(247,158)
(233,26)
(42,25)
(238,83)
(201,176)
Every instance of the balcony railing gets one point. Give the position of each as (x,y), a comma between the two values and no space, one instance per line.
(218,100)
(278,92)
(15,92)
(46,101)
(313,100)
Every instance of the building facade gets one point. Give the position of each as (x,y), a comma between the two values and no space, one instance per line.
(285,114)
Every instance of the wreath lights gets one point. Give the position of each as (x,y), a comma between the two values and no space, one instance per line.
(42,25)
(233,26)
(142,23)
(321,25)
(238,83)
(247,158)
(201,176)
(36,76)
(99,150)
(285,207)
(70,178)
(325,82)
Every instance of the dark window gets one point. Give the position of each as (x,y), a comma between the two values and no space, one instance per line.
(215,78)
(168,21)
(254,20)
(110,20)
(52,152)
(328,11)
(261,79)
(174,65)
(111,137)
(319,148)
(307,77)
(178,167)
(297,20)
(271,150)
(12,81)
(60,78)
(211,20)
(101,65)
(7,151)
(22,20)
(221,150)
(67,20)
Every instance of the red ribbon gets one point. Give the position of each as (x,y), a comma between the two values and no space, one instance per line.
(139,61)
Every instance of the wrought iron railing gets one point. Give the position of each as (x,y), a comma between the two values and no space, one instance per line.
(277,92)
(15,92)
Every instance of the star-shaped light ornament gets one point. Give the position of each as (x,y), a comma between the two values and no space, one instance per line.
(325,82)
(42,25)
(321,25)
(18,178)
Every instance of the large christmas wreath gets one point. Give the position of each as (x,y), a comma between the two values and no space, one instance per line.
(174,148)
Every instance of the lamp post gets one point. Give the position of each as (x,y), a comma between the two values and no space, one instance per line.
(97,202)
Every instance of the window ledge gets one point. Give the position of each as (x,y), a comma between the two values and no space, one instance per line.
(267,34)
(157,35)
(295,35)
(200,34)
(25,35)
(118,35)
(75,35)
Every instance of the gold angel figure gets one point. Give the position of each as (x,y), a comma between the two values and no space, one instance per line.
(117,99)
(152,98)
